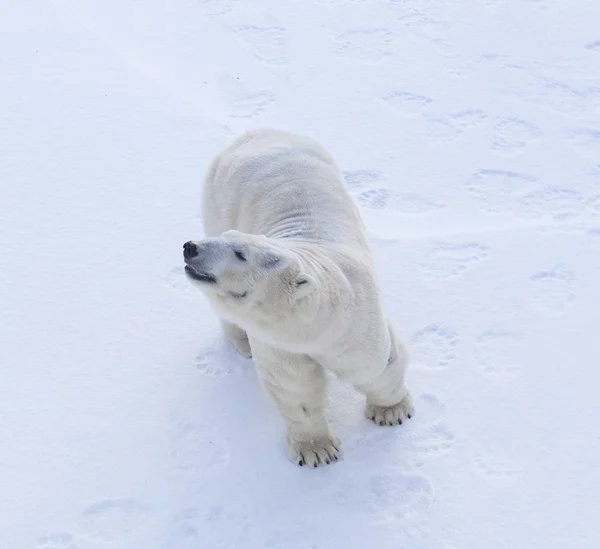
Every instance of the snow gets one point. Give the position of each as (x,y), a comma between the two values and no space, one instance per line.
(469,133)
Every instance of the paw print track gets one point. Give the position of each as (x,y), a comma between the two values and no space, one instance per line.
(428,409)
(593,236)
(194,529)
(402,495)
(215,8)
(586,141)
(56,541)
(496,471)
(432,442)
(414,204)
(267,43)
(593,46)
(499,191)
(425,26)
(359,180)
(388,496)
(464,120)
(243,102)
(112,520)
(178,282)
(512,135)
(406,103)
(497,353)
(366,45)
(552,291)
(199,449)
(377,199)
(450,127)
(447,262)
(434,347)
(559,203)
(250,104)
(211,365)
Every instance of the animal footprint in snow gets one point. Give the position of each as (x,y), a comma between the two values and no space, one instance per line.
(428,438)
(593,236)
(428,409)
(594,204)
(377,199)
(359,180)
(464,120)
(593,46)
(211,365)
(402,495)
(414,204)
(368,45)
(244,103)
(500,191)
(497,353)
(560,204)
(434,347)
(446,262)
(267,43)
(512,135)
(178,282)
(406,103)
(586,141)
(212,8)
(56,541)
(433,441)
(388,496)
(199,449)
(111,520)
(450,127)
(192,529)
(426,26)
(496,471)
(552,291)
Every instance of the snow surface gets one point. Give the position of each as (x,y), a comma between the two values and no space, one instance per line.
(469,132)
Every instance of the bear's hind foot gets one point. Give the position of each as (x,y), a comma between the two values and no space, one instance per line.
(391,415)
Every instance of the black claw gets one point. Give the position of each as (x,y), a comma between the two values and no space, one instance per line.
(399,422)
(381,422)
(315,465)
(327,461)
(301,463)
(409,416)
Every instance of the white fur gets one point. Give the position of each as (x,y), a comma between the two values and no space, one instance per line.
(296,286)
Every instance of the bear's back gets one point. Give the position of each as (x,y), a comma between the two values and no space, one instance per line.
(281,185)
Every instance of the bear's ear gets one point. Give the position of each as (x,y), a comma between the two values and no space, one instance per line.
(303,284)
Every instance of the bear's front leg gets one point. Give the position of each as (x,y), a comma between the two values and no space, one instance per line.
(296,386)
(237,337)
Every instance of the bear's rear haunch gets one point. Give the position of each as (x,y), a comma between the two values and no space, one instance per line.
(287,268)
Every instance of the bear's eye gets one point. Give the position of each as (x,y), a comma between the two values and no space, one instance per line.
(239,255)
(238,296)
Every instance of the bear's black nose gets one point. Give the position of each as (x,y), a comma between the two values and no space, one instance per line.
(190,250)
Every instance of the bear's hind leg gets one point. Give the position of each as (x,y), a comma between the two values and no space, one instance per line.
(237,337)
(389,401)
(296,386)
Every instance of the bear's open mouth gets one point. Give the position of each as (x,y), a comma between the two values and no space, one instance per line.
(200,276)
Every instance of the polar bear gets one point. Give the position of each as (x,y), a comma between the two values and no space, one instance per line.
(286,266)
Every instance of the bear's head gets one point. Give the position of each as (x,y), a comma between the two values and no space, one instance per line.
(244,274)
